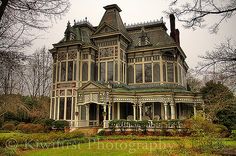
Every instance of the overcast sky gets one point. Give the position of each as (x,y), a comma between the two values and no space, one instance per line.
(194,43)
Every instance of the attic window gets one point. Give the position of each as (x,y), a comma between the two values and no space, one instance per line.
(72,36)
(143,39)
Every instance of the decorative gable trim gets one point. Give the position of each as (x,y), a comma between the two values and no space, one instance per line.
(103,27)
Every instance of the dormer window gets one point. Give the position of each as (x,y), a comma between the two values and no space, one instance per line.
(143,39)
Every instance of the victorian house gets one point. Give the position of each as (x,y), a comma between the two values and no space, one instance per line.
(116,71)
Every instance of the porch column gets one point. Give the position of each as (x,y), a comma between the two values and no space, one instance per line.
(87,114)
(140,111)
(113,111)
(97,115)
(109,112)
(104,115)
(172,108)
(166,110)
(118,111)
(134,111)
(195,110)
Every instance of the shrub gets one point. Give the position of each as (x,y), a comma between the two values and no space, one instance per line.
(143,125)
(30,128)
(48,122)
(200,127)
(8,151)
(221,130)
(60,124)
(112,125)
(101,132)
(233,134)
(9,127)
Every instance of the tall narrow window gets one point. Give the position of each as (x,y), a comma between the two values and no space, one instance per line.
(164,71)
(54,73)
(148,72)
(68,108)
(176,74)
(96,72)
(139,73)
(130,74)
(121,72)
(73,109)
(70,71)
(170,72)
(75,68)
(63,71)
(52,108)
(61,108)
(116,72)
(58,71)
(110,71)
(92,76)
(56,111)
(103,71)
(85,71)
(156,72)
(180,75)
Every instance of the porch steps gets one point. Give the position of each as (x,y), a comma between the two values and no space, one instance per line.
(87,131)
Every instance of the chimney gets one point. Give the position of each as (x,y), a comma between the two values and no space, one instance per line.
(174,33)
(172,26)
(177,36)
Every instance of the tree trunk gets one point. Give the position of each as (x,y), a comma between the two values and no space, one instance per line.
(3,8)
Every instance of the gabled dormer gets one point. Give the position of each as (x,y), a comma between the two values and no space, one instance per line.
(69,33)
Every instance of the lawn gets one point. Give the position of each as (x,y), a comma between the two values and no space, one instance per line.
(68,144)
(123,148)
(108,147)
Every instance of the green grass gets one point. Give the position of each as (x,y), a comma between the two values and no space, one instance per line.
(122,148)
(108,147)
(111,145)
(11,134)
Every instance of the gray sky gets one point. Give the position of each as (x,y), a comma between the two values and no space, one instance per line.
(194,43)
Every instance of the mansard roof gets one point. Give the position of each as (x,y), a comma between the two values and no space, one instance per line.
(111,24)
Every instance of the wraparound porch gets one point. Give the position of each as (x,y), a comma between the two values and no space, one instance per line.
(92,114)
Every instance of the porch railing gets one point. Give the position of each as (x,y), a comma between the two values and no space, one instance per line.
(148,124)
(87,123)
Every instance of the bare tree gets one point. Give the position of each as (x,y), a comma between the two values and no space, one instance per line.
(37,75)
(193,82)
(221,63)
(10,65)
(192,13)
(12,103)
(18,18)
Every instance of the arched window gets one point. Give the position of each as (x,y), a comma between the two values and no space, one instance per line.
(130,74)
(156,72)
(85,71)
